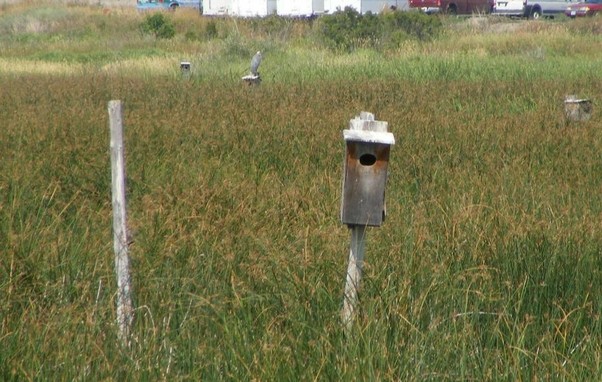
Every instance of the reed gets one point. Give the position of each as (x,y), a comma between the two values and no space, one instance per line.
(488,266)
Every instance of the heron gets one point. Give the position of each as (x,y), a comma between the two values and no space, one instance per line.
(255,63)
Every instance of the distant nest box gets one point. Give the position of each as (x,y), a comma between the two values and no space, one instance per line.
(577,109)
(368,144)
(185,67)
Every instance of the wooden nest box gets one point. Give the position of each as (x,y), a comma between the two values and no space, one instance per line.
(251,79)
(577,109)
(368,144)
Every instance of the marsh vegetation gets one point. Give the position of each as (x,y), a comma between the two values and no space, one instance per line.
(488,266)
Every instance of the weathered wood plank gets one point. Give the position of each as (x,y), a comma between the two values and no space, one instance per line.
(125,313)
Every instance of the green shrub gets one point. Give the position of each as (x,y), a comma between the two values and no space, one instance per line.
(211,30)
(235,47)
(191,36)
(158,25)
(339,30)
(273,26)
(415,24)
(348,29)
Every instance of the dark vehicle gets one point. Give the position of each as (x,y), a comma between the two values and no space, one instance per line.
(587,8)
(453,7)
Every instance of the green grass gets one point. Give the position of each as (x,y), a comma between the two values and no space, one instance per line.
(488,266)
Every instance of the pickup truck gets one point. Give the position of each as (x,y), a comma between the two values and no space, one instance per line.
(533,9)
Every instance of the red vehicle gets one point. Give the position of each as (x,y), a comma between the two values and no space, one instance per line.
(454,7)
(587,8)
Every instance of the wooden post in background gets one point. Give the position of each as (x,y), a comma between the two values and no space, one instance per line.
(125,313)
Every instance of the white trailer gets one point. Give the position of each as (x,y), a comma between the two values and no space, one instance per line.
(364,6)
(217,7)
(300,8)
(253,8)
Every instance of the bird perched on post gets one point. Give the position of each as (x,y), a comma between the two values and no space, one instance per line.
(254,78)
(255,61)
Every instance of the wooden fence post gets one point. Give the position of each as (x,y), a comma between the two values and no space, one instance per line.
(125,313)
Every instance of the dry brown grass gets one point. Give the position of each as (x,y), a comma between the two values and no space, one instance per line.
(487,266)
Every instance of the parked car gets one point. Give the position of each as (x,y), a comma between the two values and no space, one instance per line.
(533,9)
(454,7)
(586,8)
(167,4)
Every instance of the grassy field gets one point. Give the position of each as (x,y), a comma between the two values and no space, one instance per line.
(488,266)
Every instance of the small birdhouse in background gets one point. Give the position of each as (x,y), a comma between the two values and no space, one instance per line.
(185,66)
(368,144)
(577,109)
(185,69)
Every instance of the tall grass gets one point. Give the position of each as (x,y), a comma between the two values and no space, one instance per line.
(488,266)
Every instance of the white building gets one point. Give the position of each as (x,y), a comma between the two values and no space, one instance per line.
(253,8)
(300,8)
(217,7)
(364,6)
(297,8)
